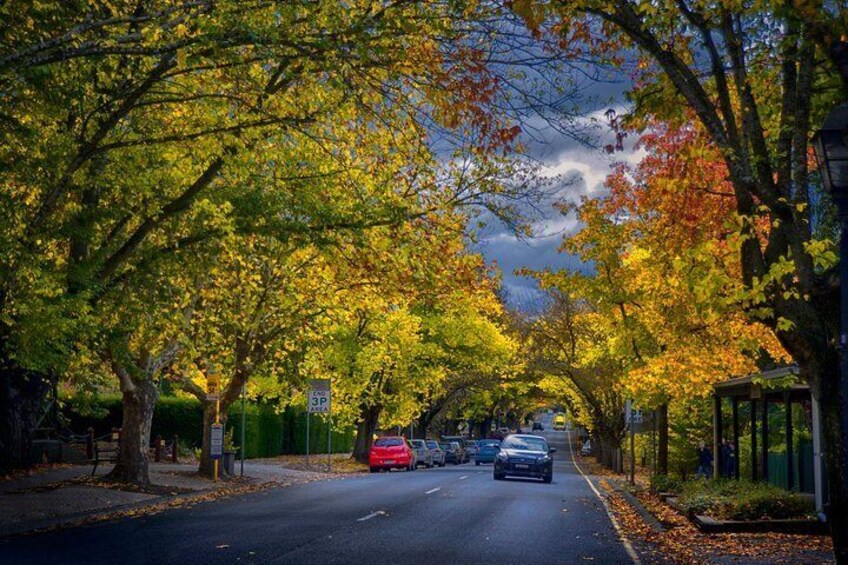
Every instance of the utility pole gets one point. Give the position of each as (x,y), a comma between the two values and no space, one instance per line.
(243,420)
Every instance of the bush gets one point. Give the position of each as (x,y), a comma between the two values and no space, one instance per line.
(267,432)
(742,500)
(664,483)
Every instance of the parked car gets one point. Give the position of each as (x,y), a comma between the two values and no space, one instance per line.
(487,449)
(391,452)
(559,421)
(470,446)
(423,456)
(537,426)
(437,452)
(587,448)
(452,453)
(524,456)
(460,441)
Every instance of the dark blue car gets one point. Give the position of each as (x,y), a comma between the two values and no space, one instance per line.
(487,449)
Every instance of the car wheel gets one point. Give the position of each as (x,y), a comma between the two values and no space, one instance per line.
(375,469)
(477,463)
(548,478)
(499,476)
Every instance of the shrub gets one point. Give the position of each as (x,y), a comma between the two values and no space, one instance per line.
(774,503)
(268,433)
(664,483)
(742,500)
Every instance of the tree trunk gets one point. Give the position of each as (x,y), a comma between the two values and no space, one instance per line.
(368,419)
(207,465)
(829,396)
(485,427)
(21,396)
(662,440)
(139,403)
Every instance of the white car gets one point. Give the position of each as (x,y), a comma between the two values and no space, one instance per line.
(587,448)
(437,452)
(423,455)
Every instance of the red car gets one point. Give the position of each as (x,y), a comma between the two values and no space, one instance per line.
(391,453)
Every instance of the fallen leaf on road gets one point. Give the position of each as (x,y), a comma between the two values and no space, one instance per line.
(222,546)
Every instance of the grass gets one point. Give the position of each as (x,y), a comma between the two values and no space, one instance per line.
(342,463)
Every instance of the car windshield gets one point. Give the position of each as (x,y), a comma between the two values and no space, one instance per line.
(432,445)
(444,445)
(525,443)
(388,442)
(489,444)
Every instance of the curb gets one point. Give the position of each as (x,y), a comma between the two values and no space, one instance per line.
(643,512)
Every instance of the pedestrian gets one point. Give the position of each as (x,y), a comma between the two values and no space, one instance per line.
(729,460)
(705,461)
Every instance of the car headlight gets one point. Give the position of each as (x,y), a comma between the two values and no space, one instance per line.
(543,459)
(502,457)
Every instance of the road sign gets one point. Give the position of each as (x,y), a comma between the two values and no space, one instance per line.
(320,384)
(319,401)
(632,414)
(216,441)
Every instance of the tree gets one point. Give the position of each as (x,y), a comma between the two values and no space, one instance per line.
(571,354)
(424,319)
(753,76)
(134,132)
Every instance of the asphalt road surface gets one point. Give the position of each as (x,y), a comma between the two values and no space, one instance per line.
(456,515)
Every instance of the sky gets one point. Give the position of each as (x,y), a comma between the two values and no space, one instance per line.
(580,171)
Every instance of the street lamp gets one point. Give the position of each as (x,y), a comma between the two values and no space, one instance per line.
(831,149)
(832,156)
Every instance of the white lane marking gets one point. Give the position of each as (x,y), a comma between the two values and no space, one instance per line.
(463,477)
(628,547)
(372,515)
(432,490)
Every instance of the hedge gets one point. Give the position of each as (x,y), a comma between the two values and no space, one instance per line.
(267,433)
(730,499)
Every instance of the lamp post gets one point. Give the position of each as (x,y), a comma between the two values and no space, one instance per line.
(831,150)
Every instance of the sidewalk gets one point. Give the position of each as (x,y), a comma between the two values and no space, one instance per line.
(66,495)
(664,537)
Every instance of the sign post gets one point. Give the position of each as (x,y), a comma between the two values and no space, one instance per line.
(630,417)
(216,436)
(243,422)
(319,402)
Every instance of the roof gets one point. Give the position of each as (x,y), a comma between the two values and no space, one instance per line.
(743,386)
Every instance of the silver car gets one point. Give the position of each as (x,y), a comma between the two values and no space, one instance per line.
(438,453)
(423,455)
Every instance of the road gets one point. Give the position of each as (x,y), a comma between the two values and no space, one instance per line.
(457,514)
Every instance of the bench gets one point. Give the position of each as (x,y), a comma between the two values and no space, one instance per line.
(106,448)
(165,450)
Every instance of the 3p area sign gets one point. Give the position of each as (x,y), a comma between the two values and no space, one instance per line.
(319,396)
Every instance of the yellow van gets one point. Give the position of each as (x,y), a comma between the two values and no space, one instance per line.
(559,421)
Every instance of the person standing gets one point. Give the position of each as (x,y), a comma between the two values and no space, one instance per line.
(705,461)
(730,460)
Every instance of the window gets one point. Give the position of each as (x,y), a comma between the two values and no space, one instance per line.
(525,443)
(388,442)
